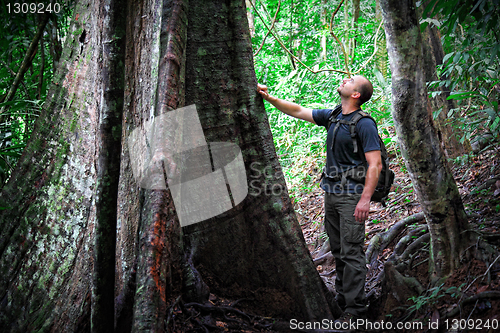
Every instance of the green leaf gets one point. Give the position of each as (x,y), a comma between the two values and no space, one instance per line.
(436,113)
(495,124)
(448,56)
(462,95)
(490,112)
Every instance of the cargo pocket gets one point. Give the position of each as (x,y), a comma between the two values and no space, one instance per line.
(354,232)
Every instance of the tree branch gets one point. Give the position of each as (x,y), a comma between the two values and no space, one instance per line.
(290,53)
(269,31)
(346,57)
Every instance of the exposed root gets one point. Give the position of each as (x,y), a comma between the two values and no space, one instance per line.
(221,309)
(208,317)
(194,288)
(416,245)
(380,241)
(170,313)
(484,295)
(326,257)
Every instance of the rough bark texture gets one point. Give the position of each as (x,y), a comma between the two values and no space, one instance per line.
(148,244)
(257,249)
(111,47)
(419,141)
(57,233)
(47,232)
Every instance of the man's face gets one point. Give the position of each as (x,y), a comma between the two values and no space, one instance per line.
(347,87)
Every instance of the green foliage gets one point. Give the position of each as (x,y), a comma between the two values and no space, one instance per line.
(303,27)
(18,116)
(471,40)
(432,297)
(14,132)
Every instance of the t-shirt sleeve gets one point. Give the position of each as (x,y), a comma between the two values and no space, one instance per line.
(321,116)
(367,131)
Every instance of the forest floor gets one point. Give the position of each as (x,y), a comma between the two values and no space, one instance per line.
(469,299)
(478,180)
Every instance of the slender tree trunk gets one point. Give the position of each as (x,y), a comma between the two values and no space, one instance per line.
(419,141)
(111,42)
(57,228)
(381,58)
(433,56)
(324,24)
(42,68)
(347,25)
(28,58)
(250,17)
(356,10)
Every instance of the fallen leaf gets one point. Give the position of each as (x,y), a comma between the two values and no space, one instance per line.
(483,288)
(435,316)
(497,191)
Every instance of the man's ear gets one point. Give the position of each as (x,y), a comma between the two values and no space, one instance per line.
(356,95)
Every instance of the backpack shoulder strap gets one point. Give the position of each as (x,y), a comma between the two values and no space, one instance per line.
(354,121)
(333,115)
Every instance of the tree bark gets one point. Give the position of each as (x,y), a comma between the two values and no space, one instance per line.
(259,244)
(46,234)
(111,45)
(419,141)
(57,233)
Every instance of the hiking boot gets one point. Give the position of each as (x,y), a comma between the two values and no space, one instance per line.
(347,322)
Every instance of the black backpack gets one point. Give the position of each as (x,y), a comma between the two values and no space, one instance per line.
(358,174)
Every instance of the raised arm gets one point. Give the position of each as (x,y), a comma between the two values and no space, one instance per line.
(290,108)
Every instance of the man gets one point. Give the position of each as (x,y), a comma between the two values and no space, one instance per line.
(347,203)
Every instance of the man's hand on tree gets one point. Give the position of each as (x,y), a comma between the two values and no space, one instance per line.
(262,90)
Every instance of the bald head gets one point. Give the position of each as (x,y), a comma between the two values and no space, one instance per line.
(364,87)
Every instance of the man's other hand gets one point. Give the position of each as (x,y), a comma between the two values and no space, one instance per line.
(362,210)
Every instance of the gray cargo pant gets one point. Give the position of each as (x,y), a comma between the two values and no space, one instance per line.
(346,241)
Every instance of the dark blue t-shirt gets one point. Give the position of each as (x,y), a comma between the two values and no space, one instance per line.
(342,157)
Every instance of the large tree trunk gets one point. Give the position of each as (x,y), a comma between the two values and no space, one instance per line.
(259,244)
(58,224)
(419,141)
